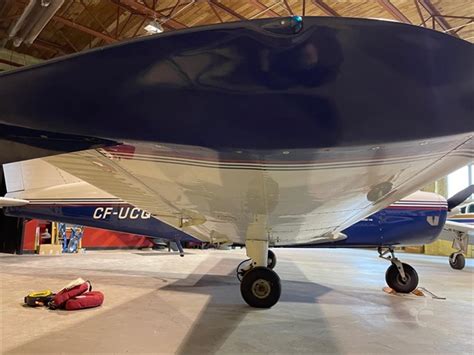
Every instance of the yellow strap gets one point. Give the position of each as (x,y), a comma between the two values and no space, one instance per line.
(44,293)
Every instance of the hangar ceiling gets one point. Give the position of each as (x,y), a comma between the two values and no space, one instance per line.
(78,25)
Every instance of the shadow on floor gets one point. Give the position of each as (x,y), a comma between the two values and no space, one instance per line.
(154,322)
(225,310)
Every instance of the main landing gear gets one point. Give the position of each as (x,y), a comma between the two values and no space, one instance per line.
(399,276)
(259,284)
(460,242)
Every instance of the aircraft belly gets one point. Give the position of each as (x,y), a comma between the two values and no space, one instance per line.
(285,201)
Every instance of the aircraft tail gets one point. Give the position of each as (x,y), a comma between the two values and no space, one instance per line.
(36,189)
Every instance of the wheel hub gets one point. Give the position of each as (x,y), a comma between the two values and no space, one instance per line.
(261,288)
(403,280)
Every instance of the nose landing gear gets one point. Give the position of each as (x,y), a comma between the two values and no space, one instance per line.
(457,261)
(460,242)
(399,276)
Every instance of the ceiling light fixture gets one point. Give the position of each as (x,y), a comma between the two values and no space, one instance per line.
(156,26)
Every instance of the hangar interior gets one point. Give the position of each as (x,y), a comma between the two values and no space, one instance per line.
(334,300)
(76,26)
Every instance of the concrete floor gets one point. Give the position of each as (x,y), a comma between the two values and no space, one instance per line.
(332,302)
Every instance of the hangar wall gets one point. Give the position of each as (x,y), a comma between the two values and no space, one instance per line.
(93,239)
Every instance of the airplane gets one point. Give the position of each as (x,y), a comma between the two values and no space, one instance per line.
(262,132)
(51,194)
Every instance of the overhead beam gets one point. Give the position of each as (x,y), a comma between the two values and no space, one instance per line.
(461,27)
(262,7)
(227,9)
(145,17)
(145,10)
(215,12)
(91,14)
(68,41)
(9,62)
(112,27)
(50,46)
(170,8)
(139,27)
(174,8)
(127,21)
(288,7)
(433,11)
(394,11)
(84,29)
(81,28)
(423,21)
(16,59)
(328,10)
(38,43)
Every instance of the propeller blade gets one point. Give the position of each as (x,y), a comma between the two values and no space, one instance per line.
(460,197)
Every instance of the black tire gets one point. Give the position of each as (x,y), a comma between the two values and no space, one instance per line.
(272,260)
(260,287)
(394,279)
(457,262)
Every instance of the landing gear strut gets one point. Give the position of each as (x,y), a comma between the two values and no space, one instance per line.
(399,276)
(460,242)
(260,285)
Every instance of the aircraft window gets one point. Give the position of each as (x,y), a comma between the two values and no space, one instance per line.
(463,209)
(470,208)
